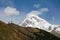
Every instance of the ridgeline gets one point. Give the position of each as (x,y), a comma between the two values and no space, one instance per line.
(12,31)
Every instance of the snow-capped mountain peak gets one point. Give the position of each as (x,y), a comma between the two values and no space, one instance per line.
(36,22)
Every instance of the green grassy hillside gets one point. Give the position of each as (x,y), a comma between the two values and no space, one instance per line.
(12,31)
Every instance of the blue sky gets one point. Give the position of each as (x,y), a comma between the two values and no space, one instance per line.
(16,10)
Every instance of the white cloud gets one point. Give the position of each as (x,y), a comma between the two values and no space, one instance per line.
(38,12)
(43,9)
(34,12)
(10,11)
(37,5)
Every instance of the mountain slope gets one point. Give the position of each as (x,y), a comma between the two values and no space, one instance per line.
(12,31)
(36,22)
(32,20)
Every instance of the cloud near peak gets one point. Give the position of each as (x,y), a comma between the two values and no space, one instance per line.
(38,12)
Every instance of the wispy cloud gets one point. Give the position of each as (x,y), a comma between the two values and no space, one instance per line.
(53,18)
(34,12)
(43,10)
(38,12)
(37,5)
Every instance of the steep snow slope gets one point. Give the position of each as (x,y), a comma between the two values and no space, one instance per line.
(36,22)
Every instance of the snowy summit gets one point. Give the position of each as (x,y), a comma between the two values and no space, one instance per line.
(32,20)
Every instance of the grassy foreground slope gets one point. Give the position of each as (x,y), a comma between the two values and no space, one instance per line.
(12,31)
